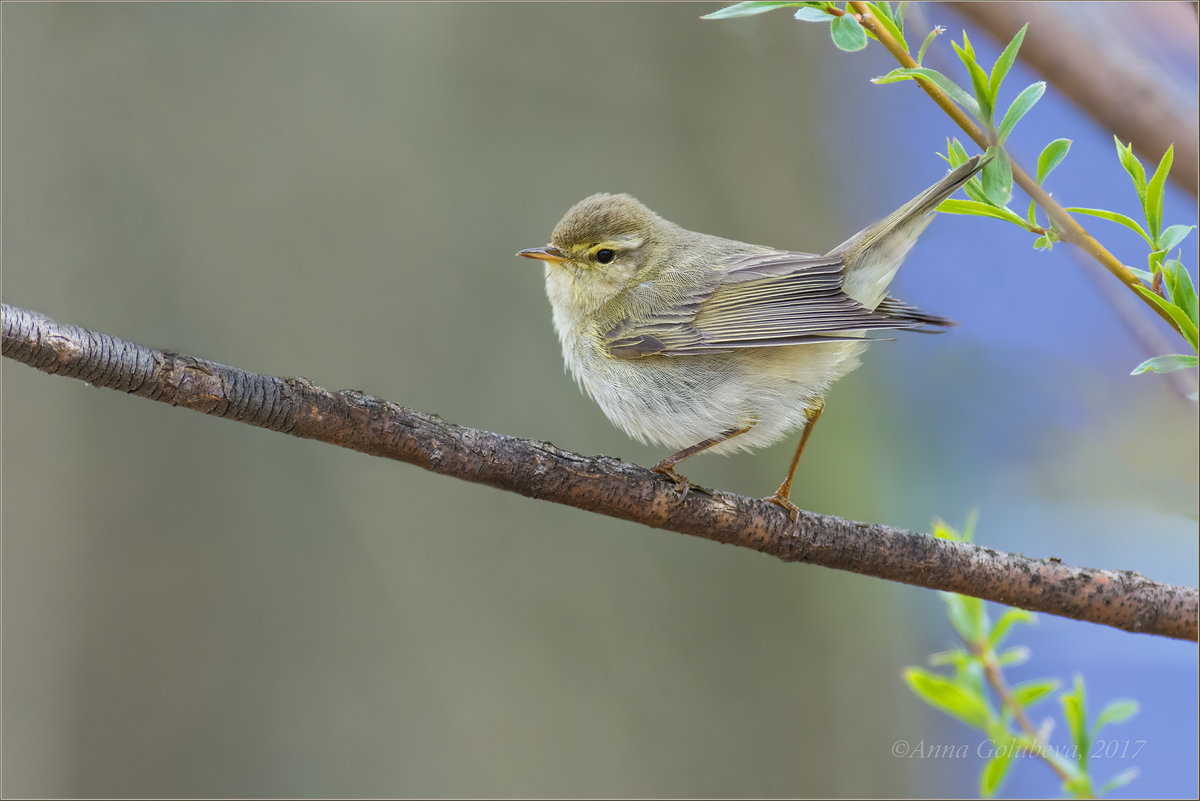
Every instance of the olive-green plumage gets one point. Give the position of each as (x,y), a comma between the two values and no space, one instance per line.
(703,343)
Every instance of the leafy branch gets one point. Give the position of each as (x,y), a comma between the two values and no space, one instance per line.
(1166,287)
(1003,713)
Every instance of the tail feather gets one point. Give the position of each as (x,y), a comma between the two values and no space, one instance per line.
(931,198)
(873,255)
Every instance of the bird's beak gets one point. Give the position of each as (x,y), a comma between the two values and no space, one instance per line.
(544,253)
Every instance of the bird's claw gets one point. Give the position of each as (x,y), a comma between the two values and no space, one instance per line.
(681,482)
(783,502)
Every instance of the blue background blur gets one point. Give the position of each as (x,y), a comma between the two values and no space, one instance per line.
(192,607)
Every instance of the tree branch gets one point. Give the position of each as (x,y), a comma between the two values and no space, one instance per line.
(1071,230)
(351,419)
(1118,91)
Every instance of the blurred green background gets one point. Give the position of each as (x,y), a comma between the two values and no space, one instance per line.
(193,607)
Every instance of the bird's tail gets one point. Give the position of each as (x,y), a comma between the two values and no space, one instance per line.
(873,255)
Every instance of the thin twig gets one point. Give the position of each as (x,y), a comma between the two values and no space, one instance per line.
(995,677)
(1071,230)
(1117,89)
(351,419)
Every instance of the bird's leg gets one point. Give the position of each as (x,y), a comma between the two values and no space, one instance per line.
(781,496)
(667,466)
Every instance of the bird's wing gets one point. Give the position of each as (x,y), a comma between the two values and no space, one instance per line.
(771,299)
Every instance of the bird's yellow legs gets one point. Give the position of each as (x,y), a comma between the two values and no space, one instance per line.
(781,496)
(667,466)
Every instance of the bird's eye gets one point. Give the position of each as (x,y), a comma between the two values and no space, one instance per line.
(605,255)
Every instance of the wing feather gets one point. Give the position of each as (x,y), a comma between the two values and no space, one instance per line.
(899,310)
(765,300)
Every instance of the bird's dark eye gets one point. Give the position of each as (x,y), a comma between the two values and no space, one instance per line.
(605,255)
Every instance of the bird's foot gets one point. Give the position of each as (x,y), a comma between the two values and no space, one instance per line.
(664,468)
(782,501)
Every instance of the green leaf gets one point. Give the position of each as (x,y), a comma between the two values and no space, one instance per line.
(966,615)
(951,698)
(1134,168)
(1006,621)
(1113,216)
(1186,326)
(996,769)
(1042,243)
(968,529)
(1166,364)
(956,92)
(1005,61)
(998,731)
(811,14)
(974,190)
(847,34)
(1117,782)
(958,151)
(1018,655)
(1078,787)
(1029,96)
(957,657)
(937,31)
(1173,236)
(1183,293)
(993,773)
(1117,711)
(1029,693)
(979,78)
(973,187)
(1154,259)
(997,179)
(747,9)
(967,47)
(1153,202)
(976,209)
(943,531)
(880,8)
(1051,156)
(1073,704)
(974,679)
(883,13)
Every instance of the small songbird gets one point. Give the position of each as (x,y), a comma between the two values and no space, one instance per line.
(707,344)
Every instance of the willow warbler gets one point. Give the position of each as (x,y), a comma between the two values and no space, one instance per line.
(707,344)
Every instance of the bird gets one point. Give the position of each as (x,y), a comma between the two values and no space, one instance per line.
(705,344)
